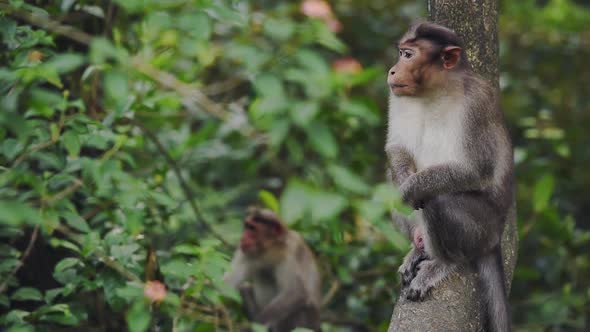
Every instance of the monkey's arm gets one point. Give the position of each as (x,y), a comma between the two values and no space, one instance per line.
(405,224)
(249,301)
(238,272)
(291,296)
(440,179)
(401,164)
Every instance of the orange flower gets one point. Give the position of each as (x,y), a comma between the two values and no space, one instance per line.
(35,56)
(347,65)
(155,291)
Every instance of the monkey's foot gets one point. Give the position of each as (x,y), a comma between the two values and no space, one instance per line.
(429,274)
(409,268)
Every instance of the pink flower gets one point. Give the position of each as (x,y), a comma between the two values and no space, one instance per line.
(155,291)
(316,8)
(347,65)
(322,10)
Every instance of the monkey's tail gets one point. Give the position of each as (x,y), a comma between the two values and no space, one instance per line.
(491,273)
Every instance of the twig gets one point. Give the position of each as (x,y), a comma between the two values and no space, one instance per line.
(191,93)
(183,184)
(48,24)
(223,86)
(109,262)
(43,145)
(33,149)
(331,292)
(62,194)
(22,259)
(225,315)
(113,264)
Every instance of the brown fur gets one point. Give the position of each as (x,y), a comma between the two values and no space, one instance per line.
(285,290)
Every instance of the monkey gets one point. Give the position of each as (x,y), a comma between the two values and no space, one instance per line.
(285,291)
(450,156)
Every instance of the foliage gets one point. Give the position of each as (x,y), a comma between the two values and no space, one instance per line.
(135,133)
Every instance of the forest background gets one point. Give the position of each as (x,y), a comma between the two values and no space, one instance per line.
(135,133)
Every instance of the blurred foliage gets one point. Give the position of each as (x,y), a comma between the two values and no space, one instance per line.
(135,133)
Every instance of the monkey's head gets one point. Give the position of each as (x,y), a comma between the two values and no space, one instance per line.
(263,230)
(429,54)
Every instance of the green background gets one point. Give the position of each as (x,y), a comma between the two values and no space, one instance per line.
(148,129)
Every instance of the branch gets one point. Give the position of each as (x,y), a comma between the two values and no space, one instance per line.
(65,192)
(109,262)
(190,93)
(183,184)
(22,259)
(331,292)
(46,23)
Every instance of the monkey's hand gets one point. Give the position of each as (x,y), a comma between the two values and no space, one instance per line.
(401,164)
(411,193)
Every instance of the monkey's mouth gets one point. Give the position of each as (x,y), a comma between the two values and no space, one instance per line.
(397,86)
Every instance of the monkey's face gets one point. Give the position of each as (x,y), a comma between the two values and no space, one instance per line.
(262,230)
(421,66)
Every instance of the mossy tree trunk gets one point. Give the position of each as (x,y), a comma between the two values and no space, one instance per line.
(454,305)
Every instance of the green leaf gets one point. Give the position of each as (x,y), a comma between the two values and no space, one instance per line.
(57,313)
(269,200)
(303,113)
(21,328)
(345,179)
(71,143)
(542,192)
(51,294)
(322,140)
(11,148)
(66,62)
(16,213)
(102,50)
(279,29)
(259,328)
(8,30)
(138,317)
(116,88)
(66,263)
(76,221)
(293,201)
(197,25)
(27,294)
(326,205)
(361,110)
(15,317)
(124,252)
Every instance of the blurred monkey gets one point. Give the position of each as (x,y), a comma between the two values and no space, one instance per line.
(285,289)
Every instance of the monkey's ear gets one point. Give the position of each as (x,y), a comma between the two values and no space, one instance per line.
(451,56)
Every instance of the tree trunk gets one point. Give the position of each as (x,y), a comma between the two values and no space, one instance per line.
(454,304)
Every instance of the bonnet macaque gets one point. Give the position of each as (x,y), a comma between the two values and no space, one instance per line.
(284,291)
(450,156)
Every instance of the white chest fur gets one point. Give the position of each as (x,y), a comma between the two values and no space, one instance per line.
(431,131)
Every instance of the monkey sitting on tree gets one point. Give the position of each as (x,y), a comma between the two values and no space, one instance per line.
(450,155)
(285,290)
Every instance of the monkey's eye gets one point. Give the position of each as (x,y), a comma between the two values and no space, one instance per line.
(405,53)
(249,226)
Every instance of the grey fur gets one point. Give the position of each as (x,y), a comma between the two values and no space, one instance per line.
(284,291)
(460,179)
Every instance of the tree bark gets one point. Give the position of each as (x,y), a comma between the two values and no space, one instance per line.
(455,304)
